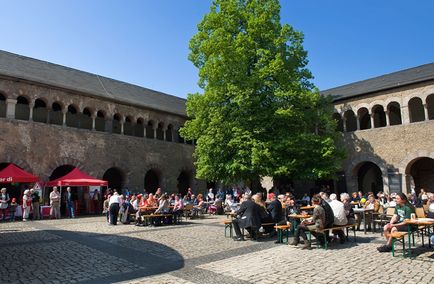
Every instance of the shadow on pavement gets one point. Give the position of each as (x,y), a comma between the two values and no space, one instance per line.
(58,256)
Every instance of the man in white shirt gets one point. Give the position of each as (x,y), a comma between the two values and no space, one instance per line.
(340,217)
(114,208)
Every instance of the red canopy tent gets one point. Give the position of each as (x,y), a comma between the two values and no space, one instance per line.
(13,173)
(77,178)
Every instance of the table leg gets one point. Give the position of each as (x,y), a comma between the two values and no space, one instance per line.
(364,221)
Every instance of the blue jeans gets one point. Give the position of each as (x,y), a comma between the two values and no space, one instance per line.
(70,205)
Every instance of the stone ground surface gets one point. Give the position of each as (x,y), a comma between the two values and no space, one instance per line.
(87,250)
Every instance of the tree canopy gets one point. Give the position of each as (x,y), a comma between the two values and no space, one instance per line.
(259,113)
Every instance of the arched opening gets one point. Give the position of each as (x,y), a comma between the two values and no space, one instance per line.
(128,126)
(2,105)
(22,109)
(339,122)
(86,119)
(100,121)
(160,131)
(40,111)
(56,115)
(364,118)
(394,110)
(415,109)
(116,127)
(379,116)
(184,180)
(152,181)
(150,130)
(72,119)
(139,128)
(115,179)
(350,121)
(422,172)
(169,133)
(369,177)
(430,106)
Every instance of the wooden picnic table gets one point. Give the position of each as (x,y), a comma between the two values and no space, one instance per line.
(428,222)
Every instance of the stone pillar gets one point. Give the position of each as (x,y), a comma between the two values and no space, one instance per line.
(31,106)
(64,112)
(405,115)
(154,128)
(10,108)
(425,109)
(358,122)
(93,116)
(387,117)
(48,115)
(122,122)
(164,133)
(371,116)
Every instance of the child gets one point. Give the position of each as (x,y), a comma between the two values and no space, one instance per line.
(12,208)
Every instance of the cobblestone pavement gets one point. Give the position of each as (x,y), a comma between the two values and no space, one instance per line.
(87,250)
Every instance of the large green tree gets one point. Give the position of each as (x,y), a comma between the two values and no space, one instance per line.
(259,113)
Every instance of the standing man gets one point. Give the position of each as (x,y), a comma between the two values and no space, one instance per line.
(70,200)
(35,204)
(114,202)
(27,203)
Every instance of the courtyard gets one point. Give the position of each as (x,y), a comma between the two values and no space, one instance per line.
(87,250)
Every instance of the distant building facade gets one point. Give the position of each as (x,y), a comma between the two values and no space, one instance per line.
(388,129)
(54,118)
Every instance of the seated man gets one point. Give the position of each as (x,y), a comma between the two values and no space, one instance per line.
(317,221)
(403,210)
(248,217)
(340,217)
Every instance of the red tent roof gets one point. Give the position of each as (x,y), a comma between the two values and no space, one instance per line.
(77,178)
(13,173)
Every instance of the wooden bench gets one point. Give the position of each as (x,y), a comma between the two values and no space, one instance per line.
(147,218)
(326,231)
(281,229)
(228,226)
(400,237)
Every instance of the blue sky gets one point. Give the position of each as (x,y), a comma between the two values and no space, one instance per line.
(145,42)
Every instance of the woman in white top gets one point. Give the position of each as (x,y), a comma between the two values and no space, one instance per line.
(210,196)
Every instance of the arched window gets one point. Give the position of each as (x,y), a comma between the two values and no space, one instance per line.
(2,105)
(139,128)
(394,110)
(350,121)
(415,109)
(116,128)
(430,105)
(100,121)
(128,126)
(169,133)
(86,119)
(22,109)
(339,122)
(379,116)
(40,111)
(160,131)
(150,130)
(72,119)
(364,118)
(56,116)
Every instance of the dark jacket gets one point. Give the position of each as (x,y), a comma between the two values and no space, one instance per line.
(329,216)
(275,209)
(249,215)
